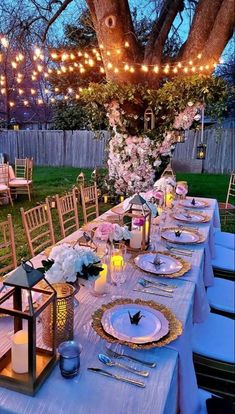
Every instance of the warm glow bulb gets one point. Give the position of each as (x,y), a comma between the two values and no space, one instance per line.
(193,69)
(11,104)
(190,62)
(77,96)
(72,56)
(126,67)
(207,67)
(79,54)
(108,53)
(126,44)
(26,102)
(102,70)
(101,46)
(199,55)
(118,51)
(56,89)
(156,69)
(179,65)
(14,65)
(70,90)
(82,70)
(32,91)
(52,100)
(186,70)
(144,68)
(116,70)
(91,62)
(4,42)
(39,68)
(54,55)
(175,70)
(109,65)
(201,68)
(132,69)
(40,101)
(86,55)
(21,91)
(37,51)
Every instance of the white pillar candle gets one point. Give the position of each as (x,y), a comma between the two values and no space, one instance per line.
(136,239)
(100,283)
(19,352)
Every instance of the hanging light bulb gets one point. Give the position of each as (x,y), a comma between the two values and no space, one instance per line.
(126,67)
(155,69)
(126,44)
(144,68)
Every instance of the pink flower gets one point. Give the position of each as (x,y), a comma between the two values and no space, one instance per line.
(104,230)
(181,190)
(138,221)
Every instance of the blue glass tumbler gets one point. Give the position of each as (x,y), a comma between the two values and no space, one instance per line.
(69,358)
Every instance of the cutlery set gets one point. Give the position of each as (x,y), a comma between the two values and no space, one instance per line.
(156,288)
(105,359)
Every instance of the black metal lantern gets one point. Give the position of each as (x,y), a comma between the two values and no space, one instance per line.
(138,218)
(179,136)
(201,151)
(26,362)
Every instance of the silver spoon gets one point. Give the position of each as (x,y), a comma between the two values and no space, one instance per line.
(107,361)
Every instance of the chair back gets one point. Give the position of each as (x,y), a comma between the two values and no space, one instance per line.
(90,206)
(231,189)
(29,171)
(21,167)
(4,174)
(38,227)
(7,246)
(68,213)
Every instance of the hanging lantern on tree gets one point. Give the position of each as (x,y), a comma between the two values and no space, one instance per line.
(179,136)
(149,119)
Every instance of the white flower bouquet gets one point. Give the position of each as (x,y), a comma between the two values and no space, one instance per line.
(66,263)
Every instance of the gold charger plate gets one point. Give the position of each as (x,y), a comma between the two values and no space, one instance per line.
(186,265)
(189,229)
(195,213)
(175,326)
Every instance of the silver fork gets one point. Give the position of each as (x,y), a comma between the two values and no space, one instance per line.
(114,354)
(160,283)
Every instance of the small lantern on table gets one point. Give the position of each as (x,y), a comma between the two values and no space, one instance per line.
(26,363)
(138,219)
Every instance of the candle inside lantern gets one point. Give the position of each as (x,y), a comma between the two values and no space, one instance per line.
(122,198)
(19,352)
(100,283)
(169,200)
(146,229)
(117,262)
(136,239)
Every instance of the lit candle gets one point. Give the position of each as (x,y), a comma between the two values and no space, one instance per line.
(169,200)
(122,198)
(136,239)
(100,283)
(106,199)
(19,352)
(146,229)
(117,262)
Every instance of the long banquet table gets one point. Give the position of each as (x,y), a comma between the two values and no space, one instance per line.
(170,387)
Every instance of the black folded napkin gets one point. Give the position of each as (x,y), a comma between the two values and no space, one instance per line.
(216,405)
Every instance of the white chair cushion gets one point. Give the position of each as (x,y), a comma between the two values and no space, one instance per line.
(3,187)
(18,182)
(225,239)
(224,258)
(222,295)
(215,338)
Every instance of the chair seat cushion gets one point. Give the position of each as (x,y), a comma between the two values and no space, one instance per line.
(224,258)
(3,187)
(18,182)
(215,338)
(221,295)
(225,239)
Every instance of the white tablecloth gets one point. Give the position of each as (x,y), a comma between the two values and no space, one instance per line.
(89,393)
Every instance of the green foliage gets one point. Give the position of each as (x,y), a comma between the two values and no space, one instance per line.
(166,102)
(69,117)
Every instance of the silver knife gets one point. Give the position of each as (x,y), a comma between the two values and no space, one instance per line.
(118,377)
(152,293)
(161,284)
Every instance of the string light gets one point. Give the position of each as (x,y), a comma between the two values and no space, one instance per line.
(144,68)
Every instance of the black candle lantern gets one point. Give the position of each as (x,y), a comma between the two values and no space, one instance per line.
(201,152)
(138,218)
(25,363)
(179,136)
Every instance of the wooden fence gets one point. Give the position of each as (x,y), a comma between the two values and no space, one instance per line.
(220,151)
(55,148)
(82,149)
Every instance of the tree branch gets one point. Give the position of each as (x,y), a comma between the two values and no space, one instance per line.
(56,15)
(160,31)
(220,34)
(202,24)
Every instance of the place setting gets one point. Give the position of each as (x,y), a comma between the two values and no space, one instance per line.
(193,203)
(190,217)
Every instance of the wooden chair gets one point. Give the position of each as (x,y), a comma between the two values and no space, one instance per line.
(21,168)
(23,184)
(4,182)
(7,246)
(68,213)
(90,206)
(38,227)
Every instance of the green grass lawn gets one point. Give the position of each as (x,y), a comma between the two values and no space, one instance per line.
(56,180)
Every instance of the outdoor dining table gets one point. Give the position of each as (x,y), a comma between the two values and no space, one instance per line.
(170,387)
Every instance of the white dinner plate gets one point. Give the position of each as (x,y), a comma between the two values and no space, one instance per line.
(198,203)
(168,266)
(152,326)
(189,217)
(186,236)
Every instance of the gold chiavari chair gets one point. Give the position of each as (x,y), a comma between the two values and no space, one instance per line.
(7,246)
(23,184)
(68,213)
(90,206)
(4,182)
(21,168)
(38,227)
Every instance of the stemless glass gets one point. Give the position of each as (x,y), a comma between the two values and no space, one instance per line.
(118,264)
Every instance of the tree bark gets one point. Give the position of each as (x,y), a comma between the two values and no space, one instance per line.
(220,33)
(160,31)
(202,25)
(113,37)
